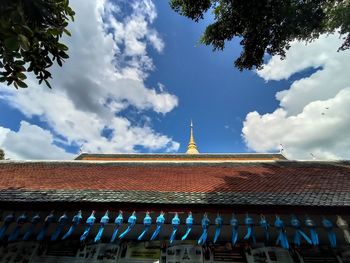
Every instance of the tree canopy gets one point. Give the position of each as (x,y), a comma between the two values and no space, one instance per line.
(267,26)
(30,31)
(2,154)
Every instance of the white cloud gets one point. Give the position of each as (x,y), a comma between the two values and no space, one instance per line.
(313,116)
(104,75)
(161,87)
(156,41)
(3,134)
(31,142)
(323,84)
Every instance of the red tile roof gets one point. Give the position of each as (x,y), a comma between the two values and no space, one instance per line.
(284,178)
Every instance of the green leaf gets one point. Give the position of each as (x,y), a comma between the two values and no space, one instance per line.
(62,46)
(21,84)
(3,79)
(47,83)
(24,42)
(20,75)
(59,62)
(11,43)
(20,68)
(63,54)
(19,62)
(28,30)
(67,32)
(54,32)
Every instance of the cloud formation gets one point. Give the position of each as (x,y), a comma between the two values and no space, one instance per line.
(313,117)
(104,75)
(31,142)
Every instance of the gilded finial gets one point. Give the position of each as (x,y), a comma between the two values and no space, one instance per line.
(192,147)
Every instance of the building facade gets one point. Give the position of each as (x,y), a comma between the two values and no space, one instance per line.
(175,208)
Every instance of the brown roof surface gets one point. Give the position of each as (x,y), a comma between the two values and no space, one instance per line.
(263,177)
(282,182)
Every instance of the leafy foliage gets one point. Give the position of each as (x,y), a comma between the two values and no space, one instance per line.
(267,26)
(30,31)
(2,154)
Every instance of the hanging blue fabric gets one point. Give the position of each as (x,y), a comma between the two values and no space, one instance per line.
(75,222)
(21,220)
(89,223)
(282,236)
(265,225)
(117,223)
(189,224)
(160,222)
(205,225)
(175,222)
(218,222)
(312,226)
(9,219)
(248,221)
(295,222)
(33,222)
(328,225)
(131,224)
(48,220)
(62,221)
(104,220)
(234,226)
(147,221)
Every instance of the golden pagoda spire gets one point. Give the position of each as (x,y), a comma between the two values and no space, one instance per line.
(192,147)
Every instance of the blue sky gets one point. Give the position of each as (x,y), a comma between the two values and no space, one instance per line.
(137,75)
(210,90)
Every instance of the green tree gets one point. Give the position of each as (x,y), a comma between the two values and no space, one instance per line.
(2,154)
(267,26)
(30,31)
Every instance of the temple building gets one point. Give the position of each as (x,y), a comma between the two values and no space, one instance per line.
(170,208)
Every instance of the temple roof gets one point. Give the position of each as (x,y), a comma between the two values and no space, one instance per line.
(203,157)
(259,183)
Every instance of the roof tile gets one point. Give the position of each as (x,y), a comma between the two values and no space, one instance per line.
(288,183)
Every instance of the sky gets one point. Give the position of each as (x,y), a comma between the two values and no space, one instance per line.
(137,75)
